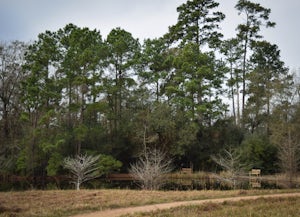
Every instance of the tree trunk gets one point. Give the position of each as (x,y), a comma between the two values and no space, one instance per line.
(244,76)
(232,95)
(77,185)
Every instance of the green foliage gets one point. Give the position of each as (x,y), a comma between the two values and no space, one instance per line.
(80,132)
(198,79)
(154,65)
(124,49)
(255,16)
(54,164)
(265,78)
(108,164)
(21,163)
(197,23)
(258,152)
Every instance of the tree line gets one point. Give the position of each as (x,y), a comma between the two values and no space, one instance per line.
(190,93)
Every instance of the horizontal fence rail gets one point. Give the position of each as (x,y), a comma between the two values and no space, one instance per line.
(185,178)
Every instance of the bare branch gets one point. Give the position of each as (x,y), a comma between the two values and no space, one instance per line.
(230,161)
(82,168)
(150,169)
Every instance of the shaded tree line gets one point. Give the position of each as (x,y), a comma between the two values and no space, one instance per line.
(72,92)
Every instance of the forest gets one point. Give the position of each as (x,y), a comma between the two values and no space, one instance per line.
(190,93)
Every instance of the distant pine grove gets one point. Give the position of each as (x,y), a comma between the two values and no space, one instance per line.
(190,93)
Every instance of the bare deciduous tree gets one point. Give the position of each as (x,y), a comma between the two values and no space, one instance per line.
(285,131)
(150,169)
(11,75)
(230,161)
(288,154)
(82,168)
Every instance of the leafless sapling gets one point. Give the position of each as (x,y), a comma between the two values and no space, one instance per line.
(150,168)
(230,161)
(82,168)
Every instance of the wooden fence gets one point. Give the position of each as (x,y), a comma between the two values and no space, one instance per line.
(185,178)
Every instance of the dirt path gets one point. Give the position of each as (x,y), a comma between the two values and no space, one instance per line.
(148,208)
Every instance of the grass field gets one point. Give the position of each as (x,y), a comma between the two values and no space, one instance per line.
(65,203)
(271,207)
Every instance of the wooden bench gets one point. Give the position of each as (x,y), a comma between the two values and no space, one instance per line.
(254,180)
(255,172)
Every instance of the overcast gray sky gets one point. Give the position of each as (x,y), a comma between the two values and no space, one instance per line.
(25,19)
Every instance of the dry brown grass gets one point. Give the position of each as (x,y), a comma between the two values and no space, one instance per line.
(275,207)
(66,203)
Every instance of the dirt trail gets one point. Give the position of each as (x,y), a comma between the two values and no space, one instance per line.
(148,208)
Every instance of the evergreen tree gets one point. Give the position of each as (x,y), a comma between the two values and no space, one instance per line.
(82,57)
(124,53)
(255,16)
(197,23)
(154,66)
(41,97)
(197,81)
(232,51)
(267,72)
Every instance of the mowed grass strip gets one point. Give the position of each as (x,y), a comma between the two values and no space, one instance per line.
(263,207)
(68,202)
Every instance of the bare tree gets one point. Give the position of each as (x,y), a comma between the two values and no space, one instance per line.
(285,129)
(150,168)
(82,168)
(230,161)
(11,60)
(11,75)
(288,154)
